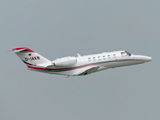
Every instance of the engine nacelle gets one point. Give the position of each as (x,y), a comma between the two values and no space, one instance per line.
(66,61)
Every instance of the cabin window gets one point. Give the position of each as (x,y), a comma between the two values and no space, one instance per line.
(94,58)
(89,59)
(99,57)
(104,57)
(129,54)
(109,56)
(114,55)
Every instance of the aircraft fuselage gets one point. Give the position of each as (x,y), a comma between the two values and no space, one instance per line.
(93,63)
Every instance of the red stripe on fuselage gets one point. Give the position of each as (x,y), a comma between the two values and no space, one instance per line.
(41,68)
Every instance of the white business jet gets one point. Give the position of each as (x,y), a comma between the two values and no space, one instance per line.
(79,65)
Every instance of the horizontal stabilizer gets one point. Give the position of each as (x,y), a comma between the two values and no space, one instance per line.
(19,50)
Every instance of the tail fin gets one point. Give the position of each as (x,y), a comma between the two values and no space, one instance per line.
(30,57)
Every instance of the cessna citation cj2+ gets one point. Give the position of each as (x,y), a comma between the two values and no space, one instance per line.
(79,65)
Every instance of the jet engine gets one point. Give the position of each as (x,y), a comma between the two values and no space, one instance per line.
(66,61)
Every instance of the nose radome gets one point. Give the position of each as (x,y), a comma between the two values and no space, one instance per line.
(147,58)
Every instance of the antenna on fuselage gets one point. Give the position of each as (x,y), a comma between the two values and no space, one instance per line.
(78,55)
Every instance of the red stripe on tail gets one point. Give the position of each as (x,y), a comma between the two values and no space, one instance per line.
(27,49)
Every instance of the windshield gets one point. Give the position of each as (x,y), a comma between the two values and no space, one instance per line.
(129,54)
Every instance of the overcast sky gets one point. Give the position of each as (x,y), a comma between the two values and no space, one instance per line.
(58,28)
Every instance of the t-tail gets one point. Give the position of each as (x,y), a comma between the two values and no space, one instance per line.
(30,57)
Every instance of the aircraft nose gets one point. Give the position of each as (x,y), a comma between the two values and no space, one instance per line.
(147,58)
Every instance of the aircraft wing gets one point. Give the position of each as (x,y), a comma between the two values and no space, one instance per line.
(86,70)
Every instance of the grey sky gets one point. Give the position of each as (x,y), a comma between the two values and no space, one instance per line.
(57,28)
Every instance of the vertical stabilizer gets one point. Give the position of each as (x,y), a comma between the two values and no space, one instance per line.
(30,57)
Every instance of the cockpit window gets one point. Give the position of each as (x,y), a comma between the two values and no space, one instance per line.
(129,54)
(123,54)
